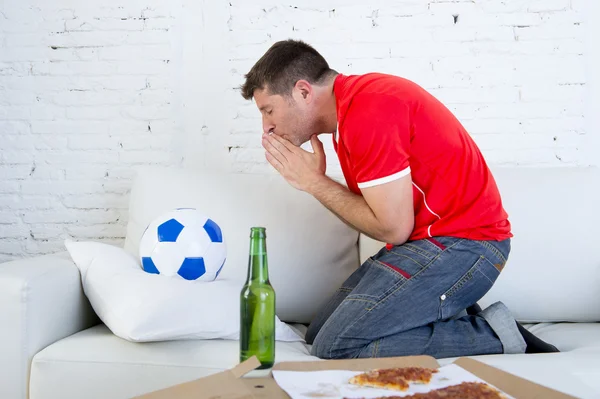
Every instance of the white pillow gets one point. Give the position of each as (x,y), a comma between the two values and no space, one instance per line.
(142,307)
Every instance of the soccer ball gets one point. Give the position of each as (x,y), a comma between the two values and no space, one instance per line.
(183,243)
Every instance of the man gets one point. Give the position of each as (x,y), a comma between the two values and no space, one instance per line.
(415,180)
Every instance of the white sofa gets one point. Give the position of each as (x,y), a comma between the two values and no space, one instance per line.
(53,346)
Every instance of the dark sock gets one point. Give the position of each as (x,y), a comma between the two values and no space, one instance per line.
(473,310)
(534,344)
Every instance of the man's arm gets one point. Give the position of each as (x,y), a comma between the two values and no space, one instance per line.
(384,212)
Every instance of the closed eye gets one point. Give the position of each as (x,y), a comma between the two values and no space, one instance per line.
(264,110)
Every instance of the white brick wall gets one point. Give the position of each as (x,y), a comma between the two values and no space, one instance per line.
(90,90)
(85,95)
(592,97)
(513,71)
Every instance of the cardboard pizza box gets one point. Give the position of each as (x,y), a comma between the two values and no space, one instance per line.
(230,384)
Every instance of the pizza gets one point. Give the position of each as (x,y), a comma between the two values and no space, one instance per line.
(396,378)
(466,390)
(470,390)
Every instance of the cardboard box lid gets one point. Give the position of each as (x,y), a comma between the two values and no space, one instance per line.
(226,384)
(262,388)
(229,384)
(511,384)
(359,364)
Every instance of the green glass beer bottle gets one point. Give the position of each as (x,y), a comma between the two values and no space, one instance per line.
(257,305)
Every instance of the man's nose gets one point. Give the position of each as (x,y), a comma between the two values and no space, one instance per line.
(268,127)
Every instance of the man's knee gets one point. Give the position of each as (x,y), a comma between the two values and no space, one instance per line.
(320,348)
(326,352)
(334,347)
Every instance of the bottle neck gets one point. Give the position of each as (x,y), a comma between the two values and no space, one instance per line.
(258,270)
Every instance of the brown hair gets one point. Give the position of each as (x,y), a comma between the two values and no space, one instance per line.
(283,64)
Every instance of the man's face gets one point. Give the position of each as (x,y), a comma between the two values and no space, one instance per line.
(284,116)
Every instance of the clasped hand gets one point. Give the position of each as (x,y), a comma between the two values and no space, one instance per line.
(300,168)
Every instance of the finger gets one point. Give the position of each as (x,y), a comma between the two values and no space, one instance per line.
(274,162)
(317,145)
(273,150)
(284,145)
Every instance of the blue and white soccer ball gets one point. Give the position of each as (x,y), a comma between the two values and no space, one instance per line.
(183,243)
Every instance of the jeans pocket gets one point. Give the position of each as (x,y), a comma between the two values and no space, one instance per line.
(378,282)
(411,258)
(470,288)
(394,268)
(497,252)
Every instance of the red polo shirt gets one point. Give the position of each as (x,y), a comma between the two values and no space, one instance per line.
(389,127)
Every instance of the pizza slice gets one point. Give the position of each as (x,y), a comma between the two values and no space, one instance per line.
(470,390)
(466,390)
(397,378)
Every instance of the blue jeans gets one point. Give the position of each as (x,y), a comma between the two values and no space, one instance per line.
(411,300)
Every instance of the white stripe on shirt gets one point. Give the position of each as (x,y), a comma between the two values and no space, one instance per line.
(385,179)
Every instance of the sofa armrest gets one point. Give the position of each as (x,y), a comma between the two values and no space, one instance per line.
(41,302)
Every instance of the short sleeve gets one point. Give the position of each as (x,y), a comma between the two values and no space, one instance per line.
(377,137)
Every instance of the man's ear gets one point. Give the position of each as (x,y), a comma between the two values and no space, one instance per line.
(305,89)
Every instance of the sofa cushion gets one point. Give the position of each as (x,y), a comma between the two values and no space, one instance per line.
(575,373)
(569,336)
(311,252)
(145,307)
(97,364)
(575,370)
(553,271)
